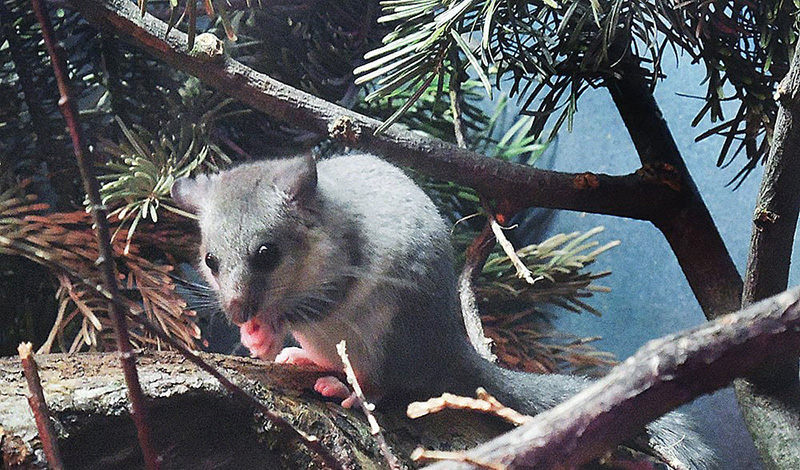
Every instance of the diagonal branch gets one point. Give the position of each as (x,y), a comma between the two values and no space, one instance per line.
(663,374)
(688,227)
(632,196)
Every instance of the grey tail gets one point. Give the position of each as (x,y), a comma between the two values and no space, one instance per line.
(672,438)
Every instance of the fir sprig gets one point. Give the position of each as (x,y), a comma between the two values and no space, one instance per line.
(551,51)
(65,243)
(557,264)
(139,173)
(514,311)
(138,177)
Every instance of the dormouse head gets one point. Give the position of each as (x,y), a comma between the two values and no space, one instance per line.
(262,241)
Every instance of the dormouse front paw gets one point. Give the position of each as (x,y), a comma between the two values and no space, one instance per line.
(328,386)
(332,387)
(296,356)
(260,338)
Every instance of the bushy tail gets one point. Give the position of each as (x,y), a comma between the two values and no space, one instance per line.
(675,440)
(673,437)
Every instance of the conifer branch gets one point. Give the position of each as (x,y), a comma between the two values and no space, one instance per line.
(629,196)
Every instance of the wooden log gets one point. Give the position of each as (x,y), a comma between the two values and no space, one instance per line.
(197,424)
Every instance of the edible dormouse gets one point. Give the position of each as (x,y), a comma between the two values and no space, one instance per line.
(350,248)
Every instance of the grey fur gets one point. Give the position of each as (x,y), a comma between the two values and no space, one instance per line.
(366,257)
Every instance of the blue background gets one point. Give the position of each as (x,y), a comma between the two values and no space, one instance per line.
(650,296)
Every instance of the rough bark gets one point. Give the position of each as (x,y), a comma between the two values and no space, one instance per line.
(662,375)
(770,398)
(196,423)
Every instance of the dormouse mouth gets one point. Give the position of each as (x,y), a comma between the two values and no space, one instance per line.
(263,336)
(269,313)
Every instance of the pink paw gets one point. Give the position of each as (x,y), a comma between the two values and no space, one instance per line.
(260,338)
(332,387)
(296,356)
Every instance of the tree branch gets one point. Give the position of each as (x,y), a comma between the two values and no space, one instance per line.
(688,227)
(662,375)
(475,257)
(632,196)
(770,398)
(100,218)
(38,404)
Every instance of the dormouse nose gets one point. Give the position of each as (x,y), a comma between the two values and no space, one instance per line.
(236,311)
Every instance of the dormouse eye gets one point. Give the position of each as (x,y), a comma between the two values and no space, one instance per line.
(213,263)
(266,257)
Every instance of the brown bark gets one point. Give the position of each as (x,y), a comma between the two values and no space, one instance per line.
(770,398)
(688,226)
(663,374)
(195,421)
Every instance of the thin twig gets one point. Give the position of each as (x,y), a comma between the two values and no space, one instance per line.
(476,255)
(455,102)
(41,413)
(367,408)
(423,455)
(484,403)
(522,271)
(100,217)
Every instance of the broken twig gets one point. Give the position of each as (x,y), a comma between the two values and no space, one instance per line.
(41,414)
(484,403)
(522,271)
(367,407)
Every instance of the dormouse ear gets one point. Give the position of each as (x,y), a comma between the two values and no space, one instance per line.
(298,179)
(189,193)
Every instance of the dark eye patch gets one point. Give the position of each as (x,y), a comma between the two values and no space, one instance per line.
(266,257)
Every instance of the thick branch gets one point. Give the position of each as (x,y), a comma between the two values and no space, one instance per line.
(627,196)
(690,230)
(775,218)
(663,374)
(770,398)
